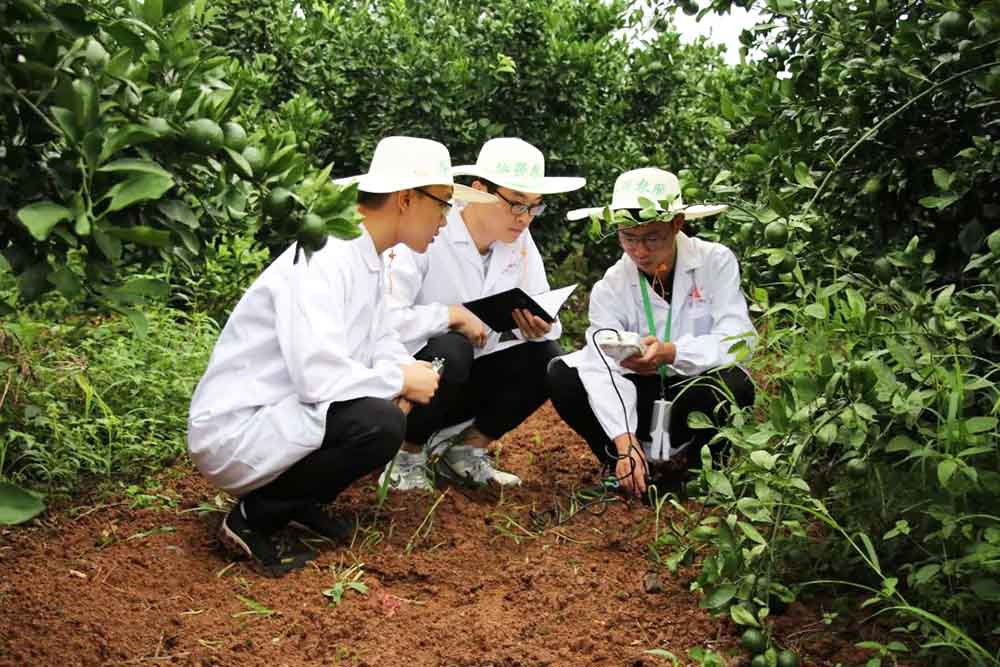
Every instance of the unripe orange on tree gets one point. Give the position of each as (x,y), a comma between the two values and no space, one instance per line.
(993,242)
(776,234)
(204,134)
(278,204)
(236,136)
(884,270)
(952,25)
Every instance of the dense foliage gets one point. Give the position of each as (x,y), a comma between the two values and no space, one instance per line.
(161,151)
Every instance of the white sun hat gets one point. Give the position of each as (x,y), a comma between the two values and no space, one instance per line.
(516,164)
(653,184)
(402,163)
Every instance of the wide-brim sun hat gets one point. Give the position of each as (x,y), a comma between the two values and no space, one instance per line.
(517,165)
(652,184)
(402,163)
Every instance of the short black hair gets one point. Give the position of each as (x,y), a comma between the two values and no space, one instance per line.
(373,200)
(491,187)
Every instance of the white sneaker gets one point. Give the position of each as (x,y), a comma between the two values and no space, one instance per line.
(473,464)
(407,472)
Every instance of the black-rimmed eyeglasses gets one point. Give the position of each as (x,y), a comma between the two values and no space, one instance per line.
(445,205)
(518,208)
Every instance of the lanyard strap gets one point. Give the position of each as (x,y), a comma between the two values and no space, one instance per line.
(652,322)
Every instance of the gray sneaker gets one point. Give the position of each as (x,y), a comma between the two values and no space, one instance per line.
(473,464)
(407,472)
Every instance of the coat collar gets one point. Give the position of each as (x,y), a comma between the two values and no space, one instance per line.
(366,248)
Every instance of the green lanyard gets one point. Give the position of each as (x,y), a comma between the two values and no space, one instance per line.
(652,323)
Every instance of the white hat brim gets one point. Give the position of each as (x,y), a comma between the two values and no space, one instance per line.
(547,185)
(463,193)
(692,212)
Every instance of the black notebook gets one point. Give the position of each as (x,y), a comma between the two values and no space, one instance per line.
(496,310)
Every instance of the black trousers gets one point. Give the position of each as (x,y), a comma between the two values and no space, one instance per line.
(702,393)
(500,390)
(361,436)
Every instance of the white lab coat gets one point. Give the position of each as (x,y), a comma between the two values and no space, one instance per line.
(420,287)
(710,311)
(303,336)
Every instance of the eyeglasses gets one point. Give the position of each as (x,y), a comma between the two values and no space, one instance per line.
(445,205)
(651,241)
(517,208)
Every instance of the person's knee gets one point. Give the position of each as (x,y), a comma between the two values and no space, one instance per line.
(560,380)
(456,351)
(389,424)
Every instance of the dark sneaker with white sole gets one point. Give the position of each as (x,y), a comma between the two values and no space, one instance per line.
(330,527)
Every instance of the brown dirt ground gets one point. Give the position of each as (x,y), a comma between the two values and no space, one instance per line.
(113,584)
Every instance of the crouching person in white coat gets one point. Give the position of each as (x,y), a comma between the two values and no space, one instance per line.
(307,388)
(495,379)
(683,296)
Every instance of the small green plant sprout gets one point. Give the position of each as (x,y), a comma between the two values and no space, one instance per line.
(344,581)
(706,657)
(887,654)
(424,529)
(254,609)
(664,653)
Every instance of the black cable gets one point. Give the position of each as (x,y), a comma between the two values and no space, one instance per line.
(615,455)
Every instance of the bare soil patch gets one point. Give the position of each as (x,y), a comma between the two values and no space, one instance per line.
(111,584)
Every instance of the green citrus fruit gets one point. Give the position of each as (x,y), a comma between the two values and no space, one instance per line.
(753,641)
(884,270)
(788,659)
(204,134)
(159,125)
(787,264)
(993,241)
(312,233)
(952,25)
(747,229)
(857,468)
(256,158)
(759,661)
(690,8)
(776,234)
(236,136)
(278,203)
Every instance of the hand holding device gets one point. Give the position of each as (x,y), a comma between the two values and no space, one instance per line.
(619,345)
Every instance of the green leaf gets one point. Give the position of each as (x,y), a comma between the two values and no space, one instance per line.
(901,443)
(945,470)
(752,532)
(138,166)
(870,548)
(980,424)
(138,290)
(719,483)
(67,123)
(240,162)
(142,235)
(803,177)
(719,597)
(66,282)
(816,310)
(764,459)
(136,189)
(926,573)
(935,202)
(41,218)
(152,11)
(130,135)
(178,211)
(18,505)
(742,616)
(986,589)
(699,420)
(943,178)
(726,106)
(171,6)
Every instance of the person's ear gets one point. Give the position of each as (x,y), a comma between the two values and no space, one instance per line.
(404,199)
(678,222)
